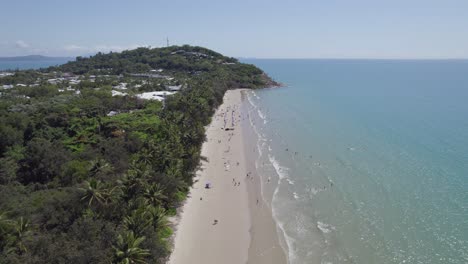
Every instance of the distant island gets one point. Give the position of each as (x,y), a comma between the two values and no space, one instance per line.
(34,58)
(96,153)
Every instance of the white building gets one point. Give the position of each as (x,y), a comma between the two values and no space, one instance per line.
(117,93)
(158,95)
(121,86)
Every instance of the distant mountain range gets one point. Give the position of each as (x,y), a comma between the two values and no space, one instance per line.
(35,58)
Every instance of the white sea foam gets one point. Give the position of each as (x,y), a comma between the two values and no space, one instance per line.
(260,114)
(249,98)
(291,182)
(325,228)
(289,247)
(280,170)
(314,191)
(288,239)
(296,196)
(259,136)
(259,149)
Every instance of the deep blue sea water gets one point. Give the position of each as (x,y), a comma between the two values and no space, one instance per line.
(372,157)
(33,64)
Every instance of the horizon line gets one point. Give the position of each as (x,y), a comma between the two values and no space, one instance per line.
(268,58)
(345,58)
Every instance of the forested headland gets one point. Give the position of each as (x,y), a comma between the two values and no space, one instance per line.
(89,169)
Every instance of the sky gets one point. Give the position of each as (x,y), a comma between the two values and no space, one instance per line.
(395,29)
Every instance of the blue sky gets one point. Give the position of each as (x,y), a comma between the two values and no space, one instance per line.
(240,28)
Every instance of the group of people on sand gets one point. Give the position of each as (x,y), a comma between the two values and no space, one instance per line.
(249,176)
(236,183)
(225,116)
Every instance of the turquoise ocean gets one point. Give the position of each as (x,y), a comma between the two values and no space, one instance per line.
(371,157)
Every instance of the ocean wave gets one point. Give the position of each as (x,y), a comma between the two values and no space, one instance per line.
(289,247)
(291,182)
(249,98)
(280,170)
(260,114)
(259,135)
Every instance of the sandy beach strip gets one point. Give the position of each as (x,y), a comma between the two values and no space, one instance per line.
(226,223)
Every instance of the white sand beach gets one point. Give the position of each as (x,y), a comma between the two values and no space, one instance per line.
(226,223)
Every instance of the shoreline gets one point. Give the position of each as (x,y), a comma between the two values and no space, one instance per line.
(266,240)
(230,222)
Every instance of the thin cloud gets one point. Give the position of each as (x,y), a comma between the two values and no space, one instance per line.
(21,44)
(73,48)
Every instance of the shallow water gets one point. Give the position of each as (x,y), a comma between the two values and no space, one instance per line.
(372,159)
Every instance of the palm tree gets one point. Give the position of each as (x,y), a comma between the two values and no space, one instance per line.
(5,228)
(5,223)
(153,194)
(137,221)
(158,217)
(95,190)
(130,186)
(145,156)
(99,166)
(15,241)
(128,251)
(134,180)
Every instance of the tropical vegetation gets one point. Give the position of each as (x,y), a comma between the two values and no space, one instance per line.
(81,185)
